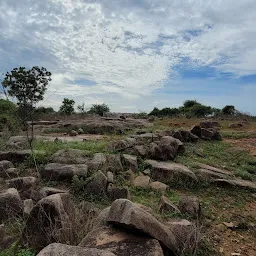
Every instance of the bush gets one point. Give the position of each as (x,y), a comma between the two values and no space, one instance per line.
(99,109)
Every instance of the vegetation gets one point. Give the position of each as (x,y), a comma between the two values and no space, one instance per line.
(67,107)
(99,109)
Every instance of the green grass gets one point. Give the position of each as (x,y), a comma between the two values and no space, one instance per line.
(218,154)
(238,134)
(14,250)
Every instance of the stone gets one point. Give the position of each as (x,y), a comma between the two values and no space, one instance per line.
(61,172)
(196,130)
(185,136)
(57,249)
(98,161)
(166,206)
(114,163)
(129,216)
(235,125)
(141,181)
(207,134)
(18,156)
(4,166)
(141,150)
(22,183)
(97,184)
(158,186)
(10,173)
(11,204)
(236,183)
(17,142)
(214,169)
(131,141)
(80,131)
(119,145)
(130,162)
(146,137)
(110,177)
(50,220)
(70,156)
(5,240)
(146,172)
(170,172)
(73,133)
(117,193)
(208,175)
(28,206)
(121,243)
(190,205)
(47,191)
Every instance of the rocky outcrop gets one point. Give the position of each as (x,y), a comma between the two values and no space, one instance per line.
(22,183)
(98,161)
(130,162)
(61,172)
(206,134)
(250,185)
(4,166)
(158,186)
(47,191)
(114,163)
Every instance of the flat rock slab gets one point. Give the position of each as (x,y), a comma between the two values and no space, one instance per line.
(237,183)
(167,171)
(209,175)
(70,156)
(141,181)
(57,249)
(214,169)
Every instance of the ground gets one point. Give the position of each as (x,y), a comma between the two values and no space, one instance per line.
(229,213)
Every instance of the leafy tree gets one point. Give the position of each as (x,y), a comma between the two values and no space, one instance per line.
(67,107)
(200,110)
(229,110)
(81,108)
(44,110)
(99,109)
(189,103)
(154,112)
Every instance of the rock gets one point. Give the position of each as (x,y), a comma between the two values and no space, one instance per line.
(50,220)
(141,150)
(187,235)
(80,131)
(61,172)
(98,161)
(129,216)
(11,204)
(208,175)
(28,206)
(10,173)
(167,149)
(185,136)
(117,193)
(114,163)
(130,162)
(158,186)
(97,184)
(131,141)
(47,191)
(210,124)
(207,134)
(101,219)
(170,172)
(196,130)
(190,205)
(57,249)
(167,206)
(22,183)
(146,137)
(151,119)
(236,183)
(17,142)
(15,156)
(121,243)
(141,181)
(70,156)
(4,166)
(73,133)
(5,240)
(119,145)
(235,125)
(110,177)
(214,169)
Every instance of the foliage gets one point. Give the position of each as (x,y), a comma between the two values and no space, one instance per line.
(229,110)
(67,106)
(198,110)
(189,103)
(44,110)
(99,109)
(14,250)
(7,107)
(81,108)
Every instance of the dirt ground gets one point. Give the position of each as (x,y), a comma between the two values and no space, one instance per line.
(247,143)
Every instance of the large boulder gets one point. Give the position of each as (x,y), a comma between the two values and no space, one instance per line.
(17,142)
(185,136)
(158,186)
(141,181)
(190,205)
(57,249)
(121,243)
(129,216)
(236,183)
(114,163)
(141,150)
(60,172)
(166,149)
(114,193)
(4,166)
(50,220)
(70,156)
(18,156)
(171,172)
(98,161)
(11,204)
(130,162)
(209,124)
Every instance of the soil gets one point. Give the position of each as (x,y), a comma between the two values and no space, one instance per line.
(247,144)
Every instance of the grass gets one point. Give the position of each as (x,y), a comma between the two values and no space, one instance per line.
(218,154)
(238,134)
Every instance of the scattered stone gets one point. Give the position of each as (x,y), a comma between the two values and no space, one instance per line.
(141,181)
(166,171)
(141,150)
(196,130)
(190,205)
(114,163)
(70,156)
(130,162)
(121,243)
(97,184)
(167,206)
(235,125)
(28,206)
(17,142)
(49,221)
(110,177)
(22,183)
(126,214)
(10,173)
(73,133)
(4,166)
(60,172)
(11,204)
(98,161)
(57,249)
(229,224)
(214,169)
(47,191)
(146,172)
(16,156)
(158,186)
(236,183)
(117,193)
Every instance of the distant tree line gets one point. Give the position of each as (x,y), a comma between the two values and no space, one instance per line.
(192,108)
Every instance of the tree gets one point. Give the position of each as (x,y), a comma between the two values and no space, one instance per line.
(229,110)
(154,112)
(67,107)
(81,108)
(200,110)
(99,109)
(189,103)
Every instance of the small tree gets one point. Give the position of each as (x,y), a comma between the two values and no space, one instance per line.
(81,108)
(229,110)
(99,109)
(67,107)
(189,103)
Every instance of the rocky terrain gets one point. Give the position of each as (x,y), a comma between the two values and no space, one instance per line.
(135,188)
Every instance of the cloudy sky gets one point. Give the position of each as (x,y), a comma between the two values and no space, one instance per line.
(136,54)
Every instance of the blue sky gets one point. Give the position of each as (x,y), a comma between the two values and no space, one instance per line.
(135,55)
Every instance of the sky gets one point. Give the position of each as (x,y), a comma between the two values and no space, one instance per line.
(135,55)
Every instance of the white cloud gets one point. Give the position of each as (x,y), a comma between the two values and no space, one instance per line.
(128,48)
